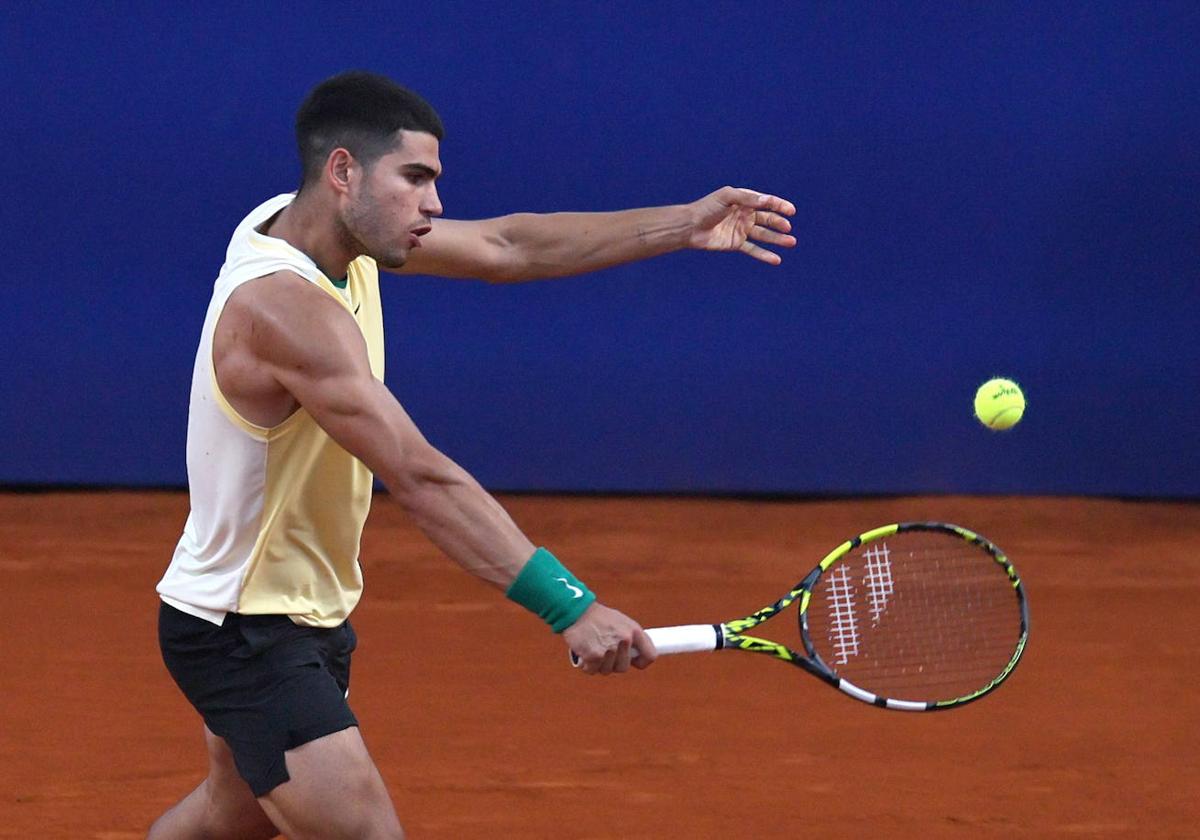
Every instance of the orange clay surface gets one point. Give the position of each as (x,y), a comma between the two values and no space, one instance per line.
(482,730)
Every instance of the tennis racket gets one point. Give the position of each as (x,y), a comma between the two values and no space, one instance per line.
(915,616)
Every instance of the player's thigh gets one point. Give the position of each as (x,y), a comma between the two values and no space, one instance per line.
(334,791)
(232,810)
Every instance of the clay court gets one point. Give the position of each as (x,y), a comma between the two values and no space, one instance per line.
(482,730)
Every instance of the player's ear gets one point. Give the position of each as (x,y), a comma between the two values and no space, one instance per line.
(338,168)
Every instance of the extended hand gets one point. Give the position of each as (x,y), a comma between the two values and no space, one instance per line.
(603,639)
(730,218)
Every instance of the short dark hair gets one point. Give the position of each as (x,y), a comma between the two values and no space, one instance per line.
(360,112)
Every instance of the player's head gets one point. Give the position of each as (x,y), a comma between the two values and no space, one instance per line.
(362,113)
(373,145)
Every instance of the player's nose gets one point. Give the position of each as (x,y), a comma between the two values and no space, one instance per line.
(431,203)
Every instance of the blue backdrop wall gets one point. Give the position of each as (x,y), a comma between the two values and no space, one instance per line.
(981,189)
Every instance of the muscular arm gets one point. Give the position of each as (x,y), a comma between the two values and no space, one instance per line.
(306,342)
(528,246)
(300,342)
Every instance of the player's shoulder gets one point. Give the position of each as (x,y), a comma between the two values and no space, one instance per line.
(282,317)
(283,299)
(281,289)
(283,280)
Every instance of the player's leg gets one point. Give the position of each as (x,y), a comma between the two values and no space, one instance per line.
(221,807)
(276,691)
(333,791)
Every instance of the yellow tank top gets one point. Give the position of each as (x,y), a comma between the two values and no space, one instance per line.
(277,513)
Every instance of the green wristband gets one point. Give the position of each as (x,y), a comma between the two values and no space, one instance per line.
(547,588)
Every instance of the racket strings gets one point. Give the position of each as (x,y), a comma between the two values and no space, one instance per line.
(920,616)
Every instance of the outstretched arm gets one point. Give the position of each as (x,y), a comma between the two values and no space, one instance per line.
(529,246)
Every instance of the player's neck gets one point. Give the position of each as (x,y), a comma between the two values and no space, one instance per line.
(307,225)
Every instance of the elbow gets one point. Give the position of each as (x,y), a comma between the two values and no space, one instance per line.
(421,472)
(499,275)
(504,267)
(506,260)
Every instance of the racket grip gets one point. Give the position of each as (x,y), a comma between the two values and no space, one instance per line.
(684,638)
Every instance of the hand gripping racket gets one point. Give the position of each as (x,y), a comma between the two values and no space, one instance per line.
(916,616)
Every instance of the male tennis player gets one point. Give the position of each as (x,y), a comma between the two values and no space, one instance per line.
(289,419)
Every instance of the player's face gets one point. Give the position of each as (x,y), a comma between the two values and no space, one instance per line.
(395,199)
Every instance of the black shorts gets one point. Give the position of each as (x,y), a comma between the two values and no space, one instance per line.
(263,683)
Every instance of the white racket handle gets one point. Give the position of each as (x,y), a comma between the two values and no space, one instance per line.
(684,638)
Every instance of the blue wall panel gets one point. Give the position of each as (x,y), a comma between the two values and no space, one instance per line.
(981,190)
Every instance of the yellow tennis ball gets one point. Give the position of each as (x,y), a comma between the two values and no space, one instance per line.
(999,404)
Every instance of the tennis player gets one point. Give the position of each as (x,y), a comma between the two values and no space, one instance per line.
(289,421)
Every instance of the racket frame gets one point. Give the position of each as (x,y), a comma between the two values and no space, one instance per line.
(731,634)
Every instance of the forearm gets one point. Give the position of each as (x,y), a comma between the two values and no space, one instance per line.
(462,519)
(440,497)
(560,244)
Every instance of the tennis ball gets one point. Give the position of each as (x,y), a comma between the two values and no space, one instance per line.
(999,404)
